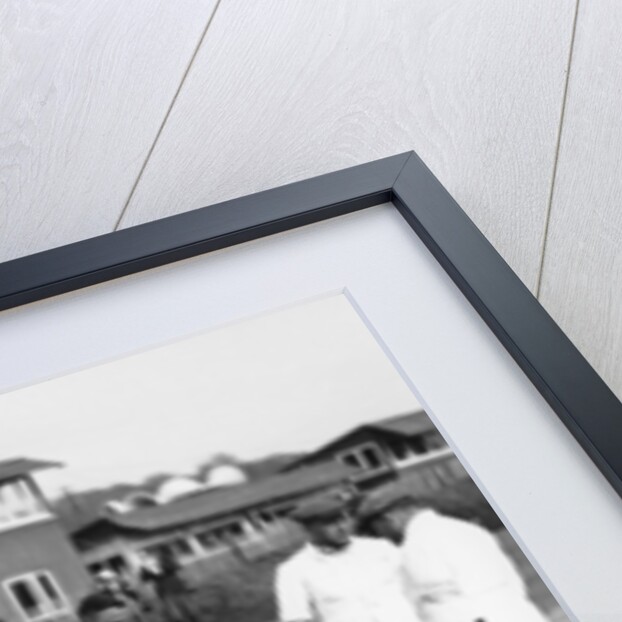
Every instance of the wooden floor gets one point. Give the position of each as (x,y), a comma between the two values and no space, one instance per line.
(116,113)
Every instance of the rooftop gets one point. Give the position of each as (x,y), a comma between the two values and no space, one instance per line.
(212,504)
(22,466)
(407,425)
(296,478)
(402,425)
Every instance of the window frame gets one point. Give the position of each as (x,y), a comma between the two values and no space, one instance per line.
(43,512)
(152,550)
(358,451)
(32,579)
(414,457)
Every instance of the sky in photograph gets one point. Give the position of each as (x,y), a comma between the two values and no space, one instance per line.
(287,381)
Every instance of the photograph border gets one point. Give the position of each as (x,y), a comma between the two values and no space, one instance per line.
(573,389)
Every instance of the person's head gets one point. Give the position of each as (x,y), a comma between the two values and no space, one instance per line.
(391,523)
(333,531)
(387,513)
(327,519)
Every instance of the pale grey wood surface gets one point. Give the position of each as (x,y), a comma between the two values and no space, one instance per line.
(84,87)
(582,272)
(279,91)
(284,90)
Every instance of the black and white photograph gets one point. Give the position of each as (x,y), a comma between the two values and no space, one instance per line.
(276,469)
(310,311)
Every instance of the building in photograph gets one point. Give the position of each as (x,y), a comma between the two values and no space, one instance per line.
(42,577)
(196,524)
(407,445)
(197,521)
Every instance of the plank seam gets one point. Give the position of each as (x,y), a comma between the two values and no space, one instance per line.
(547,218)
(166,116)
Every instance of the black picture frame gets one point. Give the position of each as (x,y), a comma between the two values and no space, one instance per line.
(573,389)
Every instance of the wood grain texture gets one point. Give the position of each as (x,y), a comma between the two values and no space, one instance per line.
(84,87)
(282,91)
(582,275)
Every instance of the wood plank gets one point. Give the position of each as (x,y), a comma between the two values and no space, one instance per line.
(282,91)
(582,276)
(84,87)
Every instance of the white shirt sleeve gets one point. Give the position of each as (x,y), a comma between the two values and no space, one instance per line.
(426,564)
(477,559)
(292,599)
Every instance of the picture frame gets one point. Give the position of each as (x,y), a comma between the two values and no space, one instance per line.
(572,388)
(512,397)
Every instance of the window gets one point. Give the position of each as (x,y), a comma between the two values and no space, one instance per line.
(284,511)
(180,548)
(399,449)
(236,530)
(219,537)
(274,514)
(412,450)
(208,540)
(371,457)
(418,445)
(232,531)
(367,457)
(36,595)
(434,441)
(266,517)
(352,460)
(19,503)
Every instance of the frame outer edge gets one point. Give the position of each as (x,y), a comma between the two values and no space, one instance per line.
(120,253)
(573,389)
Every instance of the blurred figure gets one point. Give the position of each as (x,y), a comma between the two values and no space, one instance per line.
(172,591)
(455,571)
(110,602)
(337,577)
(145,580)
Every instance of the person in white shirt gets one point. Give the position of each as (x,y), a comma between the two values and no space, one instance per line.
(455,570)
(336,577)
